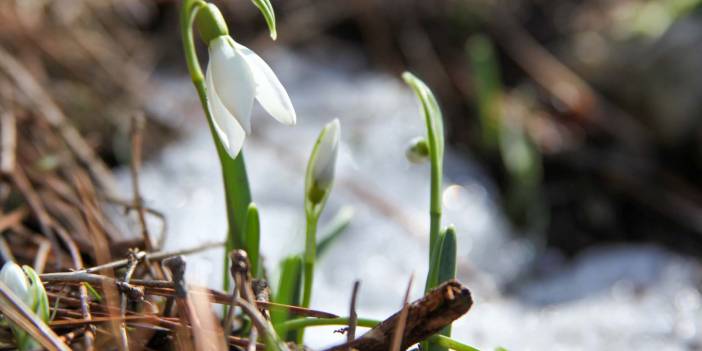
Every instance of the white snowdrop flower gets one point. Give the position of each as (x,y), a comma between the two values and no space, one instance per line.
(235,77)
(13,276)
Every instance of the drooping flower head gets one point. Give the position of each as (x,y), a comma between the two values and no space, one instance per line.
(235,77)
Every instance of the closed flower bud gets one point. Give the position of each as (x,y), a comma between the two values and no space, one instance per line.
(26,285)
(322,164)
(417,150)
(13,276)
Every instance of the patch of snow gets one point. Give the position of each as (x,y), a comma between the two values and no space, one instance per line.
(640,298)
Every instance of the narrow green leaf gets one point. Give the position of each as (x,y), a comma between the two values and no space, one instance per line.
(289,285)
(486,78)
(520,157)
(253,239)
(447,260)
(93,293)
(40,299)
(443,268)
(446,270)
(238,196)
(433,274)
(267,11)
(332,231)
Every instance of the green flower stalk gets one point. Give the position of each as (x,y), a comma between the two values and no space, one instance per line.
(319,179)
(25,284)
(442,245)
(235,77)
(435,144)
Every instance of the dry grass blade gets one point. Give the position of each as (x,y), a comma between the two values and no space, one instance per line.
(402,320)
(153,256)
(353,317)
(49,110)
(8,142)
(207,333)
(16,311)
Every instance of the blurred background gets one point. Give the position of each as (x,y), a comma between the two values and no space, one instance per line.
(573,164)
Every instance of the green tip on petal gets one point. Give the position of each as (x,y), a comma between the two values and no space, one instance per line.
(267,11)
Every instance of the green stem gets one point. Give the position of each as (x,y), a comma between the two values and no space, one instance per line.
(436,158)
(302,323)
(309,258)
(435,201)
(452,344)
(236,185)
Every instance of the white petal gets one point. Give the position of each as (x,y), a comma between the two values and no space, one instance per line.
(228,129)
(269,92)
(13,276)
(233,80)
(327,152)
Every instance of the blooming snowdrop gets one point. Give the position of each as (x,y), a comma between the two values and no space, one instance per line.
(236,76)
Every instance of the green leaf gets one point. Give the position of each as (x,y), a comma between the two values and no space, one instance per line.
(40,300)
(446,271)
(488,90)
(443,268)
(288,292)
(267,11)
(252,240)
(508,137)
(333,230)
(93,293)
(238,197)
(447,259)
(433,274)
